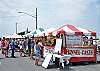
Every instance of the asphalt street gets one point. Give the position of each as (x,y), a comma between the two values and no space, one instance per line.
(25,64)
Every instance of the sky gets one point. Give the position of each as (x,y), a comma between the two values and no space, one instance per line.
(51,13)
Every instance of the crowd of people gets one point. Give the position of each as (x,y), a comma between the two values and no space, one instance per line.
(26,47)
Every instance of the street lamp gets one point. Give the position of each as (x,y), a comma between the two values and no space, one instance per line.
(31,16)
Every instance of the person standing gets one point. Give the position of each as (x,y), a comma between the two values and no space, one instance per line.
(41,48)
(21,47)
(12,48)
(29,47)
(7,46)
(37,54)
(3,44)
(25,45)
(32,48)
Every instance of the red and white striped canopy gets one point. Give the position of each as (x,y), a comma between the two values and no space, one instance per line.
(73,30)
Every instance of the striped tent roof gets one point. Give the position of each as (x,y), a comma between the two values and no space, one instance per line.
(70,29)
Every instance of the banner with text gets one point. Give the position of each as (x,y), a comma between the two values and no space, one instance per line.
(80,52)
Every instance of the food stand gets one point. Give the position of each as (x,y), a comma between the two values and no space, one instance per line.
(77,42)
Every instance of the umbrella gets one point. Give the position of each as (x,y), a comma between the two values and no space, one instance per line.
(41,29)
(34,33)
(38,32)
(16,36)
(9,36)
(29,34)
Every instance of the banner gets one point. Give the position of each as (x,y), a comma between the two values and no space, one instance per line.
(80,52)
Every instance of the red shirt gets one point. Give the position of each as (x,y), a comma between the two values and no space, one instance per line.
(3,43)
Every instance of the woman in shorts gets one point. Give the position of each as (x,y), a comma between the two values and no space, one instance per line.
(37,54)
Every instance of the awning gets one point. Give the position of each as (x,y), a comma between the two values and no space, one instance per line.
(38,32)
(73,30)
(16,36)
(49,31)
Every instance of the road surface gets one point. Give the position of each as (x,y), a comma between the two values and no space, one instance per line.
(25,64)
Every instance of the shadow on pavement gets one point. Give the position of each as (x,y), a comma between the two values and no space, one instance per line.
(66,68)
(13,57)
(1,58)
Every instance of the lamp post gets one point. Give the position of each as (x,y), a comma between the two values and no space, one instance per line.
(31,16)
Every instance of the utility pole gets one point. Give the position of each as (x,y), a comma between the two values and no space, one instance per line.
(16,27)
(36,18)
